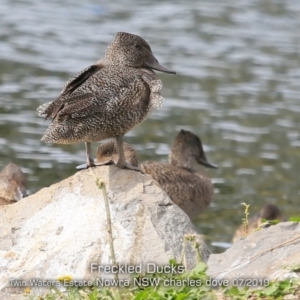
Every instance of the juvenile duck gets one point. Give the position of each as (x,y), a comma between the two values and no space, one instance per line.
(107,154)
(269,212)
(12,184)
(108,98)
(189,188)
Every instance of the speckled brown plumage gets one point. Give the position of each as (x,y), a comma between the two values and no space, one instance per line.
(107,99)
(107,153)
(269,212)
(12,184)
(191,189)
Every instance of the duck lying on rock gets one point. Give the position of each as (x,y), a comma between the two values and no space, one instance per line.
(12,184)
(191,189)
(107,99)
(107,154)
(269,212)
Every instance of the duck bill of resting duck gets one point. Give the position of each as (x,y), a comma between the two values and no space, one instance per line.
(108,98)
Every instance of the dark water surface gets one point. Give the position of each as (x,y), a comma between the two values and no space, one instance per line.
(238,88)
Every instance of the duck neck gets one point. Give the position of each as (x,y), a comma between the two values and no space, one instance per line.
(182,162)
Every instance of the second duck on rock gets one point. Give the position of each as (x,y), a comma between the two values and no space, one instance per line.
(189,188)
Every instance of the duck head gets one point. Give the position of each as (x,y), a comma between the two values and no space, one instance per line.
(108,151)
(133,51)
(187,151)
(271,212)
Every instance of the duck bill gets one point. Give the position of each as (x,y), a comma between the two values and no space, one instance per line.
(152,63)
(205,163)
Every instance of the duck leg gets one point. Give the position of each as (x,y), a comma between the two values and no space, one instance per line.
(122,161)
(89,159)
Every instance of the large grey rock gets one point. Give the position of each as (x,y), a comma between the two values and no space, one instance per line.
(272,253)
(63,229)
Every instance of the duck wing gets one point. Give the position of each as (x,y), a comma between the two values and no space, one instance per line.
(131,92)
(51,109)
(77,106)
(112,88)
(80,78)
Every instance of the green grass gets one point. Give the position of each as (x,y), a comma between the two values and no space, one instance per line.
(191,285)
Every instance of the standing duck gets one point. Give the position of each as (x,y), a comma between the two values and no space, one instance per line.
(108,98)
(191,189)
(12,184)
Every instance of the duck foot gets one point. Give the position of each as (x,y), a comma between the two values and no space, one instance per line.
(95,164)
(129,167)
(110,162)
(81,167)
(122,164)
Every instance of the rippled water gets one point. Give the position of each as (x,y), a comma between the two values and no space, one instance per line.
(237,87)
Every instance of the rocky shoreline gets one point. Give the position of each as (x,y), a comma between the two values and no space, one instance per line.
(62,230)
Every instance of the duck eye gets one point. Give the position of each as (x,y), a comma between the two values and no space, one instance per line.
(137,46)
